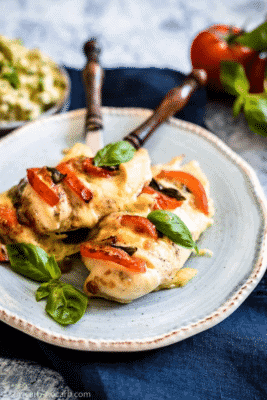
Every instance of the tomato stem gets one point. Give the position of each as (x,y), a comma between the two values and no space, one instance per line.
(233,35)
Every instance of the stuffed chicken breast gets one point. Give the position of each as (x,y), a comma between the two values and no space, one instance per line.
(127,255)
(76,194)
(56,207)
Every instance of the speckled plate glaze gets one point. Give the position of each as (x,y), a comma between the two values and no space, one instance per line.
(237,239)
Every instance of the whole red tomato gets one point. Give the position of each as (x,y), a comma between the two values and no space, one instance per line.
(216,44)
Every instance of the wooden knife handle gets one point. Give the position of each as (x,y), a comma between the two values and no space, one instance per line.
(93,79)
(174,101)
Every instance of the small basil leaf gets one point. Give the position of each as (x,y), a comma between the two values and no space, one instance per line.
(255,112)
(52,267)
(65,304)
(12,77)
(233,78)
(44,289)
(128,249)
(41,84)
(173,227)
(238,104)
(173,193)
(170,192)
(56,176)
(114,154)
(33,262)
(77,236)
(155,185)
(256,39)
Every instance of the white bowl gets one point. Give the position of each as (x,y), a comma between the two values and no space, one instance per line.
(61,106)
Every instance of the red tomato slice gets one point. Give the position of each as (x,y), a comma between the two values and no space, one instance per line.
(74,182)
(140,225)
(41,181)
(163,202)
(8,219)
(98,172)
(192,183)
(117,256)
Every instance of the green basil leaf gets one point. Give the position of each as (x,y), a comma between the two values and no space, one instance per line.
(45,288)
(256,39)
(13,78)
(40,86)
(238,104)
(255,110)
(114,154)
(65,304)
(173,227)
(33,262)
(233,78)
(6,50)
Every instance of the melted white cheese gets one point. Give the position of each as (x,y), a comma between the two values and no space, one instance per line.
(163,258)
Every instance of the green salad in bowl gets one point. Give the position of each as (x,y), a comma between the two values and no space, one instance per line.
(31,84)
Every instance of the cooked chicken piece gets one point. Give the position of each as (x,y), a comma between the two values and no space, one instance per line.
(84,194)
(56,207)
(11,231)
(126,256)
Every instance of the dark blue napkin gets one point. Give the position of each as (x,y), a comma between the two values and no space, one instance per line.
(226,362)
(139,87)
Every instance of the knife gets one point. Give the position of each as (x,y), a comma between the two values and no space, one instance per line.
(93,78)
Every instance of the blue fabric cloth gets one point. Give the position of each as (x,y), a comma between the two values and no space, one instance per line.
(139,87)
(226,362)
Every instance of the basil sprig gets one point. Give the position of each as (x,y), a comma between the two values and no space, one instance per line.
(173,227)
(65,304)
(254,106)
(256,39)
(12,77)
(32,262)
(114,154)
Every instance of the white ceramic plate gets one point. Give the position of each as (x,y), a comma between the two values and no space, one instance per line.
(237,239)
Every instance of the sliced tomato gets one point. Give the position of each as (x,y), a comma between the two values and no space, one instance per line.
(98,172)
(74,182)
(192,183)
(163,202)
(8,219)
(41,181)
(115,255)
(140,225)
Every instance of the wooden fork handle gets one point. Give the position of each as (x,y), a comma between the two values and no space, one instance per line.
(93,79)
(174,101)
